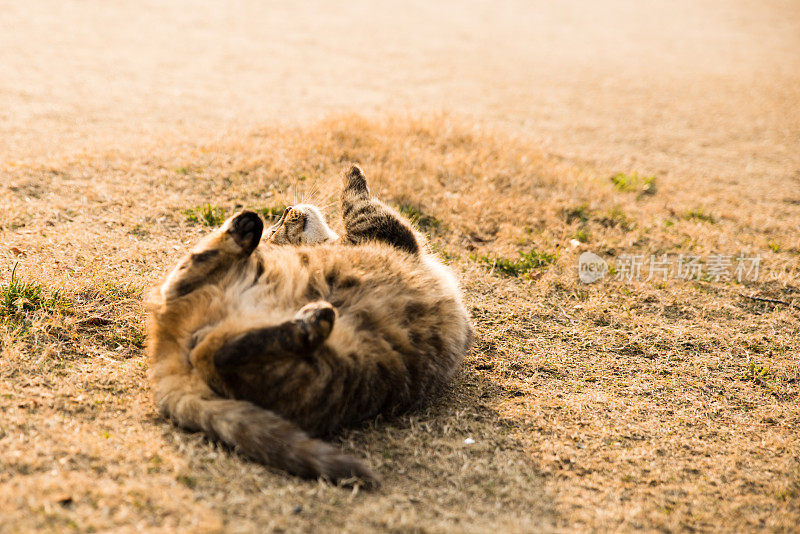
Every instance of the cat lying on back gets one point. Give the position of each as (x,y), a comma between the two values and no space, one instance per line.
(262,347)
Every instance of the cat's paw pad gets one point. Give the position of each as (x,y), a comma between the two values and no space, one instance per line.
(318,318)
(246,229)
(355,181)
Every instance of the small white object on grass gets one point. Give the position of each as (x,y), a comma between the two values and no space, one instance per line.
(574,243)
(469,441)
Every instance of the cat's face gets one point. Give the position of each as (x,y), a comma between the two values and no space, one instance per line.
(302,224)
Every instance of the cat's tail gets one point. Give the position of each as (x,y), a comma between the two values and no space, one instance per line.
(255,432)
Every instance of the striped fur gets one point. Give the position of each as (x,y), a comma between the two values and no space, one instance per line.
(267,348)
(367,219)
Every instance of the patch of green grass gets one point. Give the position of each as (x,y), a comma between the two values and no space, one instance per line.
(444,254)
(756,373)
(774,246)
(130,337)
(139,231)
(18,297)
(699,214)
(187,170)
(188,481)
(421,219)
(206,214)
(527,262)
(122,290)
(580,213)
(271,213)
(582,235)
(634,183)
(617,218)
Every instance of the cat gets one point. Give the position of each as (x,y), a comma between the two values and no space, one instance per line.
(269,347)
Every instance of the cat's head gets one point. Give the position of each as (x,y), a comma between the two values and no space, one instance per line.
(302,224)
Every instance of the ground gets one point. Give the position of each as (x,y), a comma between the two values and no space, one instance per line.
(518,137)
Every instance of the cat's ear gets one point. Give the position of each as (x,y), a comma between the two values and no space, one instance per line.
(355,183)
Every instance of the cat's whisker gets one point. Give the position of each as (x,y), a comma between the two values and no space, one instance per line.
(331,186)
(328,205)
(296,192)
(320,195)
(313,190)
(308,197)
(316,194)
(316,199)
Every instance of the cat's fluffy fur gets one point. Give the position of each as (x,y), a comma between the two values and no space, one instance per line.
(262,347)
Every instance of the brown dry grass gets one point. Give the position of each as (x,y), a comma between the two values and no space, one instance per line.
(610,406)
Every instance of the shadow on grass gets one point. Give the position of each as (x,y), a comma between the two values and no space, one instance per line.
(458,452)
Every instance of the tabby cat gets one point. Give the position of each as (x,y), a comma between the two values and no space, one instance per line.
(267,348)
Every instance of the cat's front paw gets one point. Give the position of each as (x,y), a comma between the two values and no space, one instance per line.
(246,229)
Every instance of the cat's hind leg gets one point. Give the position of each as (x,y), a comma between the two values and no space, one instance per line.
(246,366)
(368,219)
(298,337)
(222,355)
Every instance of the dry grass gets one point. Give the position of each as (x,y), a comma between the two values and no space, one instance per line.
(657,405)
